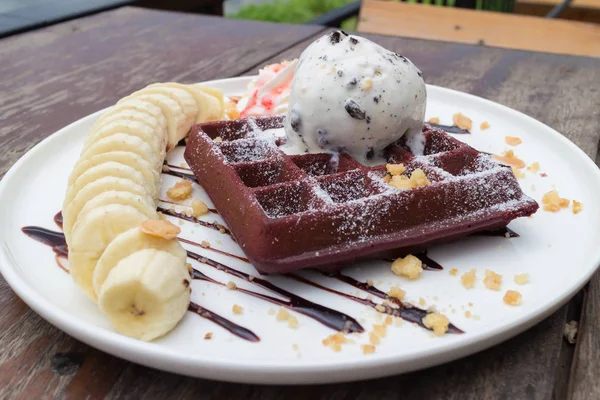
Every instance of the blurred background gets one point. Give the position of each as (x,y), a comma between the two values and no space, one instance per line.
(558,26)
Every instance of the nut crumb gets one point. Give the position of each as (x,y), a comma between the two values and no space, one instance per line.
(181,190)
(434,120)
(509,158)
(380,308)
(409,266)
(484,125)
(367,349)
(369,282)
(577,207)
(468,314)
(204,244)
(218,139)
(199,208)
(397,321)
(553,202)
(395,169)
(492,280)
(292,322)
(518,173)
(421,301)
(388,320)
(165,168)
(282,314)
(453,272)
(436,322)
(335,341)
(417,178)
(468,279)
(462,121)
(396,292)
(208,336)
(521,279)
(513,140)
(512,298)
(237,309)
(231,285)
(534,167)
(380,330)
(160,228)
(374,339)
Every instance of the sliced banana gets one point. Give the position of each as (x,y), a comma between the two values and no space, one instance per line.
(209,106)
(99,171)
(92,232)
(146,294)
(216,93)
(90,191)
(127,108)
(122,157)
(142,203)
(154,136)
(178,123)
(128,243)
(181,96)
(124,142)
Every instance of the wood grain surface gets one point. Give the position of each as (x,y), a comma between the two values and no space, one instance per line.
(472,26)
(94,61)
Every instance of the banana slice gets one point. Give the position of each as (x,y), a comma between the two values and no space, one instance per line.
(178,123)
(122,157)
(146,294)
(216,93)
(142,108)
(154,136)
(99,171)
(128,243)
(93,231)
(90,191)
(209,106)
(124,142)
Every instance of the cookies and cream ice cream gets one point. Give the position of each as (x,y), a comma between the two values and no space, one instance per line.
(351,95)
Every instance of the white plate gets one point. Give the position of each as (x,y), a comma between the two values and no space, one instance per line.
(559,250)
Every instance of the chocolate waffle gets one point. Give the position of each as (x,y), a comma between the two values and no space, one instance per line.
(289,212)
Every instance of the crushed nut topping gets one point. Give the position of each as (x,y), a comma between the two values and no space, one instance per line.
(521,279)
(396,292)
(160,228)
(231,285)
(380,308)
(282,314)
(208,336)
(553,202)
(421,301)
(231,111)
(484,125)
(534,167)
(509,158)
(512,298)
(367,349)
(409,266)
(434,120)
(369,282)
(436,322)
(492,280)
(204,244)
(395,169)
(453,272)
(380,330)
(335,341)
(468,279)
(468,314)
(577,207)
(199,208)
(388,320)
(374,339)
(417,178)
(237,309)
(513,140)
(218,139)
(292,322)
(518,173)
(462,121)
(181,190)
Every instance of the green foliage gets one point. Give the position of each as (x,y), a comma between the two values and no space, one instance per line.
(290,11)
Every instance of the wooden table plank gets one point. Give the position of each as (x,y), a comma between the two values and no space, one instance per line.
(471,26)
(73,69)
(39,356)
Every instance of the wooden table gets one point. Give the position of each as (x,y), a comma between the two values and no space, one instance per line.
(51,77)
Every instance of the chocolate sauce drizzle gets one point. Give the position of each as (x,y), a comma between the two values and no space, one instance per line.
(58,219)
(211,225)
(428,263)
(55,240)
(450,128)
(402,310)
(181,175)
(232,327)
(213,249)
(503,232)
(328,317)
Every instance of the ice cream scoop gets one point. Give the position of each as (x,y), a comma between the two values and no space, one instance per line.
(351,95)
